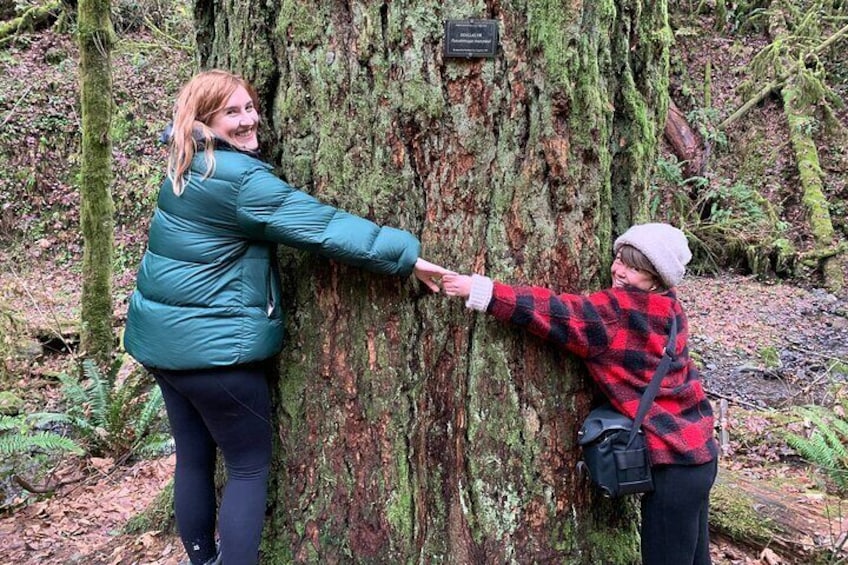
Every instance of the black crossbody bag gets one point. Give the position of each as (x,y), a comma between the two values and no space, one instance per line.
(615,453)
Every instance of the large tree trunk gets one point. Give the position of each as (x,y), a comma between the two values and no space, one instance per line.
(97,208)
(411,430)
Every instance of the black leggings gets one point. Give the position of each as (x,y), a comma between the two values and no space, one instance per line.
(228,408)
(675,517)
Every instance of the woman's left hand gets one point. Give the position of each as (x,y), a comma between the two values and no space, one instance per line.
(429,273)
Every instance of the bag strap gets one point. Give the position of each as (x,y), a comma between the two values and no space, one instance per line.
(654,387)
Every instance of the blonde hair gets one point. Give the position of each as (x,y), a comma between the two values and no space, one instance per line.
(201,97)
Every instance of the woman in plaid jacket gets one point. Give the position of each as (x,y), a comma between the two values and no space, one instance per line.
(620,333)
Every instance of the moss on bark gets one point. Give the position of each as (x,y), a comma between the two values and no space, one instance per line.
(96,38)
(812,186)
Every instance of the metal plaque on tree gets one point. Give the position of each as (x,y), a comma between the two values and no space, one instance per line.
(471,38)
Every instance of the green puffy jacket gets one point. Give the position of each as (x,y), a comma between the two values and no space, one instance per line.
(208,293)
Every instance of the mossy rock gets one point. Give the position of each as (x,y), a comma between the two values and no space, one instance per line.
(10,403)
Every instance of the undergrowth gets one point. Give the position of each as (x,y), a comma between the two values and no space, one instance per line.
(112,417)
(825,445)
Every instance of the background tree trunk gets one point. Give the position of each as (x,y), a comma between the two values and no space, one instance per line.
(97,215)
(799,116)
(411,430)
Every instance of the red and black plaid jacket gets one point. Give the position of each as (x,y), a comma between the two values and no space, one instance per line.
(620,334)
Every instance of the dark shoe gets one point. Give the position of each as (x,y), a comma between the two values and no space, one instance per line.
(214,561)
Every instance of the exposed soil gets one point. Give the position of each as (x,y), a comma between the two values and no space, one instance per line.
(767,345)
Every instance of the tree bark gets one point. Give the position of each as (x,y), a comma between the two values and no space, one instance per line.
(685,143)
(409,429)
(96,37)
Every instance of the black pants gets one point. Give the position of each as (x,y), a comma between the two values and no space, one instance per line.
(675,527)
(227,408)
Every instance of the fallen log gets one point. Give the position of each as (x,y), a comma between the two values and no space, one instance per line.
(30,19)
(812,258)
(799,112)
(801,525)
(781,79)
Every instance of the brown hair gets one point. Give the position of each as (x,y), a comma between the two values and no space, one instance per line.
(632,257)
(201,97)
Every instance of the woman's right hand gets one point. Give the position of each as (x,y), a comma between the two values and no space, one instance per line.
(429,273)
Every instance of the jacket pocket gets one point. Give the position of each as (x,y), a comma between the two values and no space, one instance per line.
(270,303)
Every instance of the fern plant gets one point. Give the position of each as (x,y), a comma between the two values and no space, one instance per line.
(113,417)
(827,444)
(17,437)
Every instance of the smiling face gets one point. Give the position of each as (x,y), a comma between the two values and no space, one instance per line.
(237,122)
(628,275)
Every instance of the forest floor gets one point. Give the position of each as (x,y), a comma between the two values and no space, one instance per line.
(734,320)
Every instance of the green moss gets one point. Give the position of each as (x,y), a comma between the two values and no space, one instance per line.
(419,98)
(292,387)
(551,27)
(300,22)
(10,403)
(733,512)
(756,156)
(564,539)
(784,255)
(643,137)
(376,188)
(400,507)
(420,23)
(613,545)
(158,516)
(770,357)
(276,552)
(809,169)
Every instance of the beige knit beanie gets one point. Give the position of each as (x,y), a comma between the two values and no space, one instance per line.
(665,247)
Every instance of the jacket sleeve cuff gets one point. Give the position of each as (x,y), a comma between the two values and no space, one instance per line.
(481,293)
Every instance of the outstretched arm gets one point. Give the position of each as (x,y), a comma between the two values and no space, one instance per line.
(429,273)
(269,209)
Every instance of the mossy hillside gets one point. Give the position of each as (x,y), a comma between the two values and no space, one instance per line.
(40,172)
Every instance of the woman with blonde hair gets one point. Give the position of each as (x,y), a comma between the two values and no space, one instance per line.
(205,316)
